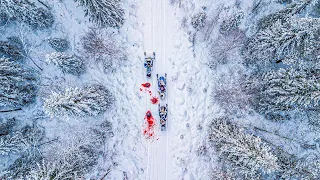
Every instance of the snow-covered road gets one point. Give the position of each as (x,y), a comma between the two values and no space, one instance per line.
(155,39)
(168,155)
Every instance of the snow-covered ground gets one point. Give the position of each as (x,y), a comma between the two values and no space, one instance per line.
(163,27)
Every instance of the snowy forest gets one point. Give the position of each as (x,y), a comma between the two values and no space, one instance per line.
(243,89)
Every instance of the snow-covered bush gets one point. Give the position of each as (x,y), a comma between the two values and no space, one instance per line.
(102,132)
(298,38)
(68,63)
(91,100)
(105,48)
(229,92)
(246,154)
(59,44)
(9,50)
(231,23)
(27,12)
(198,20)
(103,12)
(285,90)
(18,84)
(225,48)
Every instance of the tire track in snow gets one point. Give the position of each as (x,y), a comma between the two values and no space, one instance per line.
(147,6)
(151,164)
(161,144)
(169,75)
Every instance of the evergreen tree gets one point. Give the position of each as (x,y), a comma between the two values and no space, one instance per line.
(245,154)
(293,167)
(298,39)
(286,90)
(9,50)
(18,84)
(25,11)
(69,158)
(68,63)
(103,12)
(59,44)
(12,144)
(91,101)
(18,141)
(284,15)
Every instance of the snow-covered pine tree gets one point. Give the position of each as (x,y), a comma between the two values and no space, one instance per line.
(10,50)
(285,90)
(17,141)
(103,12)
(59,44)
(30,138)
(69,158)
(6,126)
(283,15)
(3,19)
(293,167)
(298,38)
(68,63)
(18,84)
(25,11)
(45,170)
(91,100)
(246,154)
(12,143)
(316,9)
(22,166)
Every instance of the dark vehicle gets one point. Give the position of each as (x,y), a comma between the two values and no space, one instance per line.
(162,86)
(148,63)
(163,113)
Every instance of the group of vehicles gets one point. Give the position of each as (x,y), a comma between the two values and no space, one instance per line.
(162,88)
